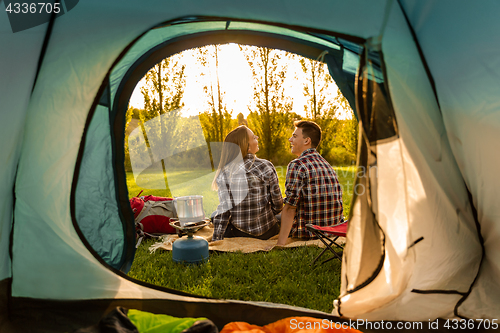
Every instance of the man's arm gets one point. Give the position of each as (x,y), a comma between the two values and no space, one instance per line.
(287,216)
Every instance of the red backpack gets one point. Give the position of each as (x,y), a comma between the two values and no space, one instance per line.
(152,215)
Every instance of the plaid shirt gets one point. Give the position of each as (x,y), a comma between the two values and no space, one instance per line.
(312,186)
(256,194)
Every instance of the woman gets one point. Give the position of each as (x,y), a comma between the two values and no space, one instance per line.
(248,188)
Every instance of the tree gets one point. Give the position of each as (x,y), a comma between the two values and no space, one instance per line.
(321,105)
(216,121)
(128,119)
(269,115)
(348,135)
(163,89)
(316,88)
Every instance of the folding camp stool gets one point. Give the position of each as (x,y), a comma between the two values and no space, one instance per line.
(323,233)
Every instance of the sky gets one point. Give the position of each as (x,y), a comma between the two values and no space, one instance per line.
(235,79)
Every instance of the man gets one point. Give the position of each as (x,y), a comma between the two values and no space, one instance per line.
(313,192)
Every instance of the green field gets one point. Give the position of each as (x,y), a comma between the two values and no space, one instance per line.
(279,276)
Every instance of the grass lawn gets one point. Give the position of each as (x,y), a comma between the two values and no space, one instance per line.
(279,276)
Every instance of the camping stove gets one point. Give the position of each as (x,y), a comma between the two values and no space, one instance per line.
(192,249)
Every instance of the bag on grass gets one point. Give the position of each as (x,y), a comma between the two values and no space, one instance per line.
(153,216)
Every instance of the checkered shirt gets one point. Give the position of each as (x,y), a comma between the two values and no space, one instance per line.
(312,186)
(255,191)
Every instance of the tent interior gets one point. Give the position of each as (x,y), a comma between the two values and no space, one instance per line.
(421,239)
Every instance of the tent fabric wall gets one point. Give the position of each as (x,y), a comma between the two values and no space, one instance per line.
(418,192)
(466,77)
(437,149)
(18,65)
(96,208)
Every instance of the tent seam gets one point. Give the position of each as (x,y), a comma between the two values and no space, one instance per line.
(302,29)
(483,253)
(421,54)
(438,291)
(45,44)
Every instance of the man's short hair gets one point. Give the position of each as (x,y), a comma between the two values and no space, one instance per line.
(310,130)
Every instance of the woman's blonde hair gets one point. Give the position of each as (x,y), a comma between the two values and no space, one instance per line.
(235,143)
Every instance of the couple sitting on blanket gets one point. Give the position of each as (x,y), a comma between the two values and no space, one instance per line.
(249,193)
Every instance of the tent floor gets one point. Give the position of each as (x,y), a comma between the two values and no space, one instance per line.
(35,315)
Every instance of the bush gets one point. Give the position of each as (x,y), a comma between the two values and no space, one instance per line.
(282,158)
(340,156)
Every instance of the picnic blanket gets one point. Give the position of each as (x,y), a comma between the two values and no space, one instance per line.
(239,244)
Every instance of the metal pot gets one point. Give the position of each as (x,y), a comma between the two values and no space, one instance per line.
(189,209)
